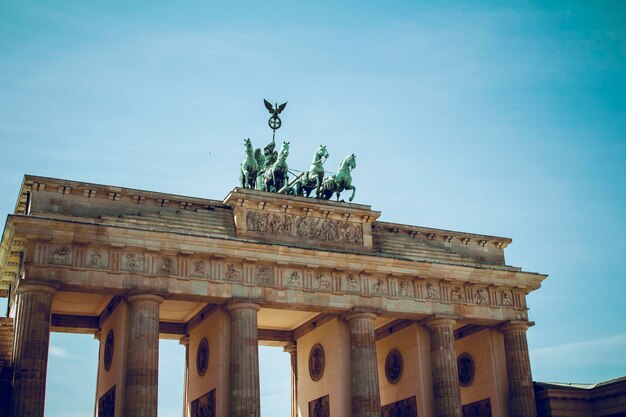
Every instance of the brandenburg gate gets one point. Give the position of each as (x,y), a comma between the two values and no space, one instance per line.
(380,319)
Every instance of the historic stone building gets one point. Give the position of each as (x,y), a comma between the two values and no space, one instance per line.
(380,319)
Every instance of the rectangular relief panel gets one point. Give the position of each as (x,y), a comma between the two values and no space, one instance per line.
(106,404)
(204,406)
(480,408)
(402,408)
(320,407)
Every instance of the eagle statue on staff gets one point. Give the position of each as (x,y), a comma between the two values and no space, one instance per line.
(274,122)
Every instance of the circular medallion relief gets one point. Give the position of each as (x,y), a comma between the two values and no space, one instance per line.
(316,362)
(109,344)
(202,357)
(465,365)
(393,366)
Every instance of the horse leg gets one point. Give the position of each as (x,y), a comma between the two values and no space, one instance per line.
(353,188)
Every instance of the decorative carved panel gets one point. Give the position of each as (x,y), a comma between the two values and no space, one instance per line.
(109,347)
(204,406)
(465,365)
(402,408)
(394,366)
(480,408)
(202,357)
(106,404)
(320,407)
(317,362)
(304,227)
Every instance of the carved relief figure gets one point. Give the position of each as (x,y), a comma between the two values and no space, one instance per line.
(263,275)
(353,284)
(199,269)
(293,280)
(456,294)
(60,256)
(232,274)
(379,287)
(505,299)
(134,263)
(322,282)
(166,266)
(405,289)
(95,260)
(480,296)
(431,291)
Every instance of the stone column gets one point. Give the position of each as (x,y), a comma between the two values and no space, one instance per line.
(446,388)
(142,356)
(363,365)
(292,349)
(32,339)
(244,360)
(185,342)
(521,393)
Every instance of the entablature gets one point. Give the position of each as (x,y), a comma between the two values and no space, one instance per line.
(221,268)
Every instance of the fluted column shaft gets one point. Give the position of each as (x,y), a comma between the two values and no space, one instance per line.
(142,356)
(446,388)
(244,360)
(521,393)
(292,349)
(185,342)
(32,339)
(363,365)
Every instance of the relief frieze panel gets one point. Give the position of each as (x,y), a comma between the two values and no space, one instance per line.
(60,255)
(264,275)
(378,286)
(250,271)
(293,278)
(433,291)
(132,262)
(322,281)
(350,282)
(232,271)
(406,289)
(97,258)
(304,227)
(200,268)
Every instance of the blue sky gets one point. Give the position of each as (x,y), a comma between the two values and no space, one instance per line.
(506,120)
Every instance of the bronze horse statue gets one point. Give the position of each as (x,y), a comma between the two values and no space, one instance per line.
(276,175)
(341,181)
(313,179)
(249,167)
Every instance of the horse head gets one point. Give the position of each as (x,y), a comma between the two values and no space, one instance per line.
(248,144)
(284,150)
(322,152)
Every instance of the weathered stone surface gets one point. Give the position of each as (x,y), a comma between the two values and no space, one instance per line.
(364,369)
(244,364)
(446,389)
(31,350)
(142,363)
(521,393)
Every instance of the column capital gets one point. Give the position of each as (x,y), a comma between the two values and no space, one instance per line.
(238,305)
(144,297)
(514,325)
(184,340)
(290,348)
(360,313)
(25,287)
(441,320)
